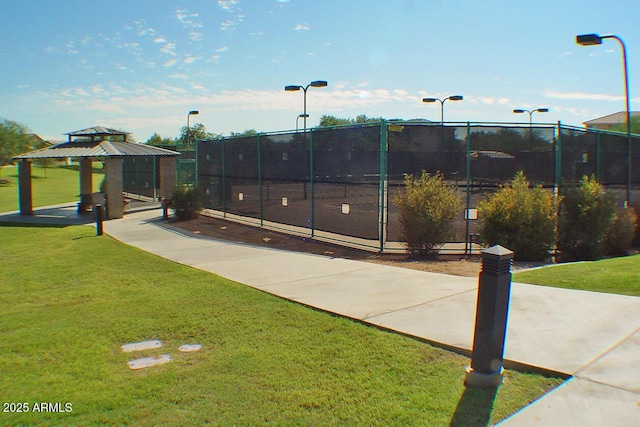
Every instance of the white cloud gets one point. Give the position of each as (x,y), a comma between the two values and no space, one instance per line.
(222,49)
(169,49)
(196,36)
(227,25)
(170,63)
(159,40)
(583,96)
(302,27)
(227,4)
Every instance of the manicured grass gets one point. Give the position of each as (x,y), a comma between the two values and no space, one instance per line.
(70,301)
(50,186)
(615,275)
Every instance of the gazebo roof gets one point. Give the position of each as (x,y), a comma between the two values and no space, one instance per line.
(97,131)
(96,149)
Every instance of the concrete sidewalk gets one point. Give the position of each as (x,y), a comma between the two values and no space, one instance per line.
(593,337)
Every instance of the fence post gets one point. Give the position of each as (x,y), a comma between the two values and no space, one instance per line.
(598,156)
(224,180)
(558,159)
(467,239)
(311,179)
(383,182)
(260,180)
(492,310)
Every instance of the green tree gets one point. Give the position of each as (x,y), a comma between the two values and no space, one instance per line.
(14,139)
(196,132)
(247,132)
(328,120)
(156,140)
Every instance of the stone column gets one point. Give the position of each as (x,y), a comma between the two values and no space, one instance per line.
(168,176)
(86,184)
(86,176)
(113,187)
(25,193)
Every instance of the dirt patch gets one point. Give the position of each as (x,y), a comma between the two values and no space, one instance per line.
(231,231)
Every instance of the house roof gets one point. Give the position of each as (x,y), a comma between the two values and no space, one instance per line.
(96,149)
(491,154)
(611,119)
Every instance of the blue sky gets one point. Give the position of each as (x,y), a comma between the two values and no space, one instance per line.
(141,65)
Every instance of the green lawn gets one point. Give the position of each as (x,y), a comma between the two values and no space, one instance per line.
(51,186)
(615,275)
(70,301)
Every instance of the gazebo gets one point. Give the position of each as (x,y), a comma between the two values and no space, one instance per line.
(102,144)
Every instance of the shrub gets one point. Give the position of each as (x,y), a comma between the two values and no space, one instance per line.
(587,213)
(622,232)
(520,218)
(427,207)
(186,202)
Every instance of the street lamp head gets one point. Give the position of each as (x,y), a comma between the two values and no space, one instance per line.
(318,83)
(455,98)
(542,110)
(429,100)
(588,39)
(518,111)
(292,88)
(194,112)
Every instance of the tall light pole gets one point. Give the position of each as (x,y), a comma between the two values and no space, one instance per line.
(537,110)
(594,39)
(191,113)
(293,88)
(442,101)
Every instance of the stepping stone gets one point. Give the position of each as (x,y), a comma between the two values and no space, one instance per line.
(139,346)
(188,348)
(147,362)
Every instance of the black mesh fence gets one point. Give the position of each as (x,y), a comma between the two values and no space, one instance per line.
(342,180)
(604,155)
(139,175)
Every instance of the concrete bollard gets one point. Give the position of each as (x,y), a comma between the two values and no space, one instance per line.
(99,219)
(165,208)
(492,310)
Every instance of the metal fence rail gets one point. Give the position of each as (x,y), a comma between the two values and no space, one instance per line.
(338,183)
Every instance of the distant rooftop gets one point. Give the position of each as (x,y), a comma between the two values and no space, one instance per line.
(606,122)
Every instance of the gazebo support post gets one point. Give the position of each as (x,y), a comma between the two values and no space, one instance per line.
(25,191)
(86,184)
(114,187)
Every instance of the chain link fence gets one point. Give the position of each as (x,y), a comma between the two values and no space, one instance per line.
(338,183)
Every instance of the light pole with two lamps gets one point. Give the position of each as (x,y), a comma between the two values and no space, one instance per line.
(537,110)
(293,88)
(594,39)
(442,101)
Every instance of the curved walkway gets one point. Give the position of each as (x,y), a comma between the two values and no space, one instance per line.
(593,337)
